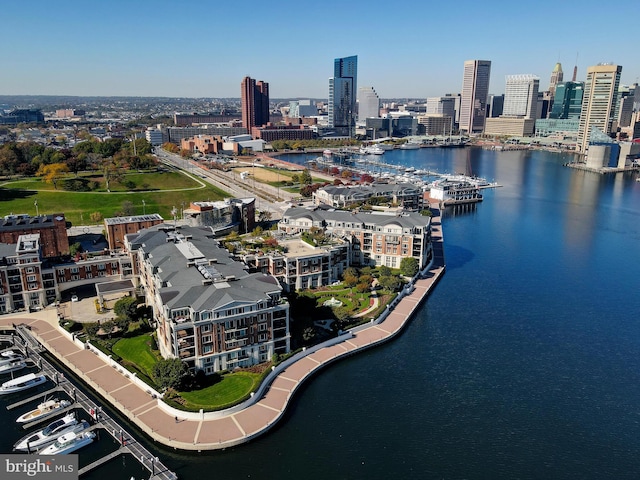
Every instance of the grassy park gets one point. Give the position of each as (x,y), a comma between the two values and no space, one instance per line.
(19,196)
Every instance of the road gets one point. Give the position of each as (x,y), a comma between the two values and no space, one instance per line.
(267,197)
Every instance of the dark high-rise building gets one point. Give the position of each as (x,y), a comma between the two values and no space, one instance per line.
(342,96)
(568,100)
(255,103)
(495,106)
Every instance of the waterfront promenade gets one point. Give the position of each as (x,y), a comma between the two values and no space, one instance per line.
(218,430)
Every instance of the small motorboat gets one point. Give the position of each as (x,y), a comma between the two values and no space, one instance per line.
(35,441)
(22,383)
(45,409)
(67,443)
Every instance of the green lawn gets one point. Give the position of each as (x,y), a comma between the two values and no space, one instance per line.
(137,350)
(19,197)
(225,393)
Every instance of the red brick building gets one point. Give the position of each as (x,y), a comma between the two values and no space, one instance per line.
(52,229)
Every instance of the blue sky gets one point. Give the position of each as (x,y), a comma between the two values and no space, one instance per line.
(204,48)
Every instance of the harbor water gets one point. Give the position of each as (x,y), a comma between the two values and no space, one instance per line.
(523,363)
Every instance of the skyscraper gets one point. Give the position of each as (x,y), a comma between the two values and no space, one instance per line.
(442,105)
(521,96)
(368,104)
(568,100)
(598,102)
(475,91)
(342,96)
(254,97)
(556,78)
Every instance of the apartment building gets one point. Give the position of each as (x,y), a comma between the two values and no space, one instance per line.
(51,228)
(375,238)
(301,265)
(406,195)
(210,311)
(30,281)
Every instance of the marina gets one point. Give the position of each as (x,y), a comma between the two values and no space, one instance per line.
(102,422)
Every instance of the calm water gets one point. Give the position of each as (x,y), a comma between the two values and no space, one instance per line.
(523,363)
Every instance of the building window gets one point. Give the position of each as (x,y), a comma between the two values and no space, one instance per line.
(206,328)
(207,349)
(31,278)
(206,339)
(30,270)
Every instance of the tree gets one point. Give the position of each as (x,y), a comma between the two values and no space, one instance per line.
(384,271)
(350,277)
(111,171)
(169,373)
(127,208)
(409,266)
(265,215)
(308,335)
(53,172)
(75,248)
(391,283)
(305,177)
(96,217)
(126,307)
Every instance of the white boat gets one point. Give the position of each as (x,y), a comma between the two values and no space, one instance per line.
(371,150)
(11,361)
(45,409)
(327,153)
(22,383)
(410,146)
(35,441)
(385,146)
(67,443)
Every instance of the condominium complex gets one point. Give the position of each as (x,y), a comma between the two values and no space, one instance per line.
(374,238)
(475,91)
(210,311)
(254,96)
(598,102)
(404,195)
(301,265)
(342,96)
(31,281)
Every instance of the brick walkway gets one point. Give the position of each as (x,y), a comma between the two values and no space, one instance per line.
(219,429)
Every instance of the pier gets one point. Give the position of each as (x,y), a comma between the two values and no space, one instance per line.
(31,347)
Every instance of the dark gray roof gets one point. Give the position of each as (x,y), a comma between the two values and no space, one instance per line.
(177,254)
(405,220)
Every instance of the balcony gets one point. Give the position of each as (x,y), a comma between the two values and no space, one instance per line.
(186,353)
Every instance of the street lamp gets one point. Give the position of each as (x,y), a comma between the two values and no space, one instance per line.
(144,207)
(35,203)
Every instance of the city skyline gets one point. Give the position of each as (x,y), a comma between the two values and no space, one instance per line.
(114,50)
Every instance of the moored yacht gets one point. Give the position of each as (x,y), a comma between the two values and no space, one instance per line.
(67,443)
(35,441)
(11,361)
(22,383)
(45,409)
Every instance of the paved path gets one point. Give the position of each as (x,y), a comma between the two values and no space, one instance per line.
(218,430)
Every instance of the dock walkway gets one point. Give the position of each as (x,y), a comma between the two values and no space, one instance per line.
(25,340)
(240,424)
